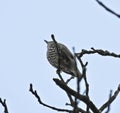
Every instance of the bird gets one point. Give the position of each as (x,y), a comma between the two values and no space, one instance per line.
(59,56)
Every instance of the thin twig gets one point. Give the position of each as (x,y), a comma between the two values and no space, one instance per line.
(68,80)
(58,70)
(108,9)
(85,79)
(110,99)
(34,92)
(4,105)
(78,85)
(108,108)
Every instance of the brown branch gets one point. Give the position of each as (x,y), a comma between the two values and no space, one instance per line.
(84,99)
(85,79)
(34,92)
(59,62)
(4,105)
(98,51)
(75,110)
(86,85)
(58,71)
(111,99)
(108,108)
(107,9)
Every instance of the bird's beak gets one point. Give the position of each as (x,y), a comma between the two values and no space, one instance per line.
(46,41)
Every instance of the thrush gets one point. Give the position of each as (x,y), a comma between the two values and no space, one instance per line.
(59,56)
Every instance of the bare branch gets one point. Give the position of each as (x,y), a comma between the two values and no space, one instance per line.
(107,9)
(111,99)
(98,51)
(34,92)
(84,99)
(4,105)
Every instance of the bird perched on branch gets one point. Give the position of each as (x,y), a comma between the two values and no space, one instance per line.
(61,58)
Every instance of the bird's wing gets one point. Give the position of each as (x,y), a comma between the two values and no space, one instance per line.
(66,51)
(66,57)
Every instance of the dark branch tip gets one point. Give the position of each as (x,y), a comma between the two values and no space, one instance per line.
(92,48)
(52,36)
(55,79)
(86,64)
(119,87)
(30,89)
(46,41)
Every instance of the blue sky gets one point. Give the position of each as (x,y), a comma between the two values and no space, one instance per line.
(24,24)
